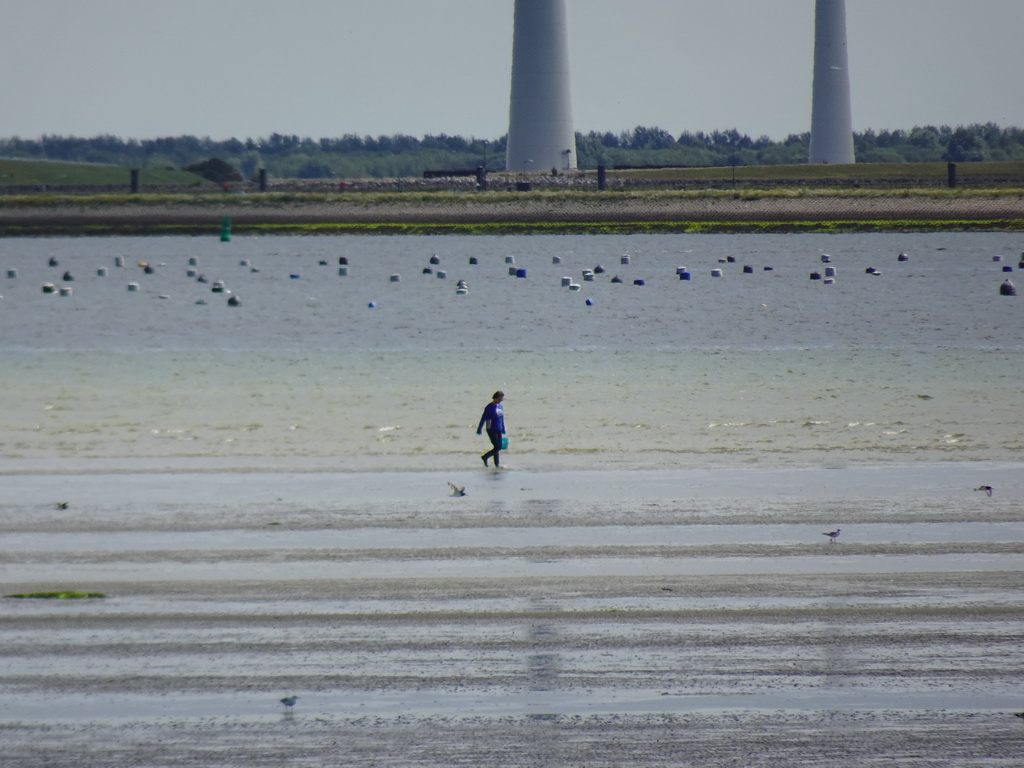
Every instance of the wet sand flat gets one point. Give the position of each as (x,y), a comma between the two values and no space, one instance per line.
(554,618)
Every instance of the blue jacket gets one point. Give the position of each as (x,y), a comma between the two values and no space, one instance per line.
(494,418)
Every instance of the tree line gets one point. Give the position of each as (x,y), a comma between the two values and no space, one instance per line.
(399,155)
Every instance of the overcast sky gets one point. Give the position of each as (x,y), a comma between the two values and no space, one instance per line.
(316,68)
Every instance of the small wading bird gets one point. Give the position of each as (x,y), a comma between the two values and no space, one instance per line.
(832,536)
(289,702)
(64,504)
(986,488)
(456,490)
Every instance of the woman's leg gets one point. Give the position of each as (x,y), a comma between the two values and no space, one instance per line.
(495,450)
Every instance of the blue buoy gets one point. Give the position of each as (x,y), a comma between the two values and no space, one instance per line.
(684,275)
(590,302)
(747,269)
(294,277)
(521,272)
(1007,268)
(639,281)
(372,304)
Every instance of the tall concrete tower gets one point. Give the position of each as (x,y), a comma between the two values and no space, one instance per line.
(831,115)
(540,132)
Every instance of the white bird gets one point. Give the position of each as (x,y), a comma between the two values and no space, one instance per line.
(986,488)
(289,702)
(456,490)
(832,536)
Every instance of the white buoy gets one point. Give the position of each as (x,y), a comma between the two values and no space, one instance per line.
(574,286)
(461,291)
(49,288)
(566,281)
(829,281)
(342,271)
(65,290)
(556,259)
(133,287)
(512,271)
(193,261)
(825,258)
(396,278)
(101,272)
(191,272)
(11,274)
(218,286)
(716,273)
(588,276)
(997,258)
(680,270)
(624,260)
(119,261)
(830,271)
(442,274)
(510,259)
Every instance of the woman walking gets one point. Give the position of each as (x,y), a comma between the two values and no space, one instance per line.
(494,421)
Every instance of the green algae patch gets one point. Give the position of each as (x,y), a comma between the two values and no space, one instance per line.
(66,595)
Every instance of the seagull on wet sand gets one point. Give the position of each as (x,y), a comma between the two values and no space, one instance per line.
(456,490)
(289,702)
(986,488)
(832,536)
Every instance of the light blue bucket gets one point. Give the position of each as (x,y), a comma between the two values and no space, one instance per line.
(504,443)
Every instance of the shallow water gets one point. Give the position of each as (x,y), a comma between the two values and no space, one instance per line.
(919,363)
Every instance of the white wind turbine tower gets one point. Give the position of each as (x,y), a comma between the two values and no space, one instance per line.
(540,131)
(831,114)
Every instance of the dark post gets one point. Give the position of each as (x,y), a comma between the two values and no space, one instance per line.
(951,175)
(135,181)
(481,178)
(263,179)
(602,177)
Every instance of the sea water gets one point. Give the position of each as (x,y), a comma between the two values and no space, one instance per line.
(365,346)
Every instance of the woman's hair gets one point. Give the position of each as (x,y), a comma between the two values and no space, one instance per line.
(497,394)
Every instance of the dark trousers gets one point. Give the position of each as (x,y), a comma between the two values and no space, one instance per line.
(495,438)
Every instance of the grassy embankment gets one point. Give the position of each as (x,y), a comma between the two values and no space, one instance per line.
(989,196)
